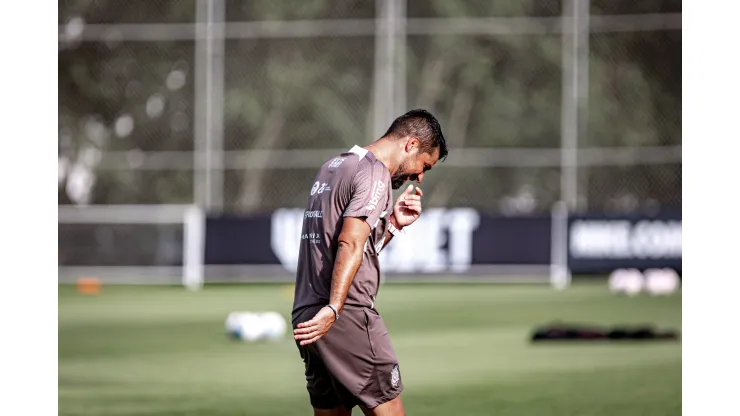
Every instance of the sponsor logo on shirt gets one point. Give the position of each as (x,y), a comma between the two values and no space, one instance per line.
(336,162)
(378,188)
(314,238)
(319,187)
(313,214)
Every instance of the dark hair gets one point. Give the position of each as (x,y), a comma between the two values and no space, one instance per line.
(422,124)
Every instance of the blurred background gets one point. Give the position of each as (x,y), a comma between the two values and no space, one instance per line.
(190,132)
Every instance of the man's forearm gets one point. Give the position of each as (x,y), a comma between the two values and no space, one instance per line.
(388,234)
(349,258)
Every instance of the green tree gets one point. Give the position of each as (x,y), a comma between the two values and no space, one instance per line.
(488,91)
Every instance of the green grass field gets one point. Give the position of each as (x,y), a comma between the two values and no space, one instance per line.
(463,350)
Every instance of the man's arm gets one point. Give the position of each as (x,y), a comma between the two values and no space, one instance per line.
(389,234)
(352,238)
(394,222)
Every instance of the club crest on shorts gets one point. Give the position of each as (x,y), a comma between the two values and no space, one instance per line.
(395,376)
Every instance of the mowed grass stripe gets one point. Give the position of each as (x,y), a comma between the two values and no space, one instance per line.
(161,351)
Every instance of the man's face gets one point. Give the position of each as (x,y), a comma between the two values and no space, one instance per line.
(413,167)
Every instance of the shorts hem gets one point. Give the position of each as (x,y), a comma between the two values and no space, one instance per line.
(384,399)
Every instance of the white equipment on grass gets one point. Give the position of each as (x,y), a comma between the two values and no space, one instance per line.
(256,326)
(626,281)
(660,282)
(274,325)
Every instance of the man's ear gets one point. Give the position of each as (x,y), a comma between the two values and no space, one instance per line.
(412,143)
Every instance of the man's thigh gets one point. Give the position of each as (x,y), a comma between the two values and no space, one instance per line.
(324,391)
(384,384)
(358,358)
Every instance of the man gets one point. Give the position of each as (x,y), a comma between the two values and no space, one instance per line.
(348,356)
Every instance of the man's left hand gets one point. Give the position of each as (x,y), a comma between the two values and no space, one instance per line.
(408,206)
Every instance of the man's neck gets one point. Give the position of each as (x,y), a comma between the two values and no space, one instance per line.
(382,149)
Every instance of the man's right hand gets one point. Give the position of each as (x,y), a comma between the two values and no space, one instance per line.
(311,331)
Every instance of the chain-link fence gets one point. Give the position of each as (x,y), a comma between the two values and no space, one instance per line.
(233,105)
(305,75)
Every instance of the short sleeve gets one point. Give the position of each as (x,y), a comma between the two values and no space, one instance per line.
(368,194)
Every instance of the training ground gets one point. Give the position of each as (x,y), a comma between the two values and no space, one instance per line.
(463,350)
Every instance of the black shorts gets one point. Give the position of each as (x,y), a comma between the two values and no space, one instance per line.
(353,363)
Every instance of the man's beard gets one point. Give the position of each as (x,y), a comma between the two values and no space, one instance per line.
(397,181)
(401,176)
